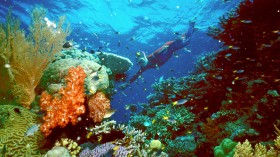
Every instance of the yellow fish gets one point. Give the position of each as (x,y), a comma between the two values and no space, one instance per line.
(99,138)
(165,117)
(109,113)
(89,134)
(153,121)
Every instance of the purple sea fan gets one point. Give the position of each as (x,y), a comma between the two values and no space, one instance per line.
(105,149)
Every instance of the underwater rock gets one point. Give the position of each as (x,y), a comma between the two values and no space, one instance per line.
(16,121)
(116,63)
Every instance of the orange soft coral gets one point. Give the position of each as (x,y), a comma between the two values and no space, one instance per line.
(62,110)
(98,105)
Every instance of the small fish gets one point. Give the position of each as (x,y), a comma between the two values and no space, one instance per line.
(266,45)
(239,79)
(161,79)
(187,50)
(218,77)
(131,39)
(117,32)
(67,45)
(92,51)
(99,138)
(176,33)
(205,108)
(238,71)
(180,102)
(234,47)
(89,134)
(146,124)
(171,120)
(153,122)
(119,43)
(276,32)
(31,131)
(228,55)
(165,117)
(251,59)
(109,113)
(246,21)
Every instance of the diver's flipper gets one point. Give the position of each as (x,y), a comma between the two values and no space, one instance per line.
(141,59)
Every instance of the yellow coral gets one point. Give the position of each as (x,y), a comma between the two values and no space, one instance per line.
(27,57)
(17,121)
(69,144)
(245,150)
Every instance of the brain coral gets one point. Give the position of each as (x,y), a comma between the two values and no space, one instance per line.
(17,121)
(96,79)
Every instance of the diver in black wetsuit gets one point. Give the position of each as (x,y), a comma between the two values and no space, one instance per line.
(164,53)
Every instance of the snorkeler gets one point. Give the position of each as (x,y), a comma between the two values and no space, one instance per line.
(163,54)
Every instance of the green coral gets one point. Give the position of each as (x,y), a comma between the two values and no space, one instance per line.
(181,146)
(170,119)
(225,149)
(15,125)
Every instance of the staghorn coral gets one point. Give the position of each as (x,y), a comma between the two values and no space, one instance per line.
(20,52)
(104,127)
(98,105)
(66,108)
(17,121)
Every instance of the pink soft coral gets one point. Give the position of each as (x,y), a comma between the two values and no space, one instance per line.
(98,105)
(62,110)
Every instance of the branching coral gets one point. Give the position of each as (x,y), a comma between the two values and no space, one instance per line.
(246,149)
(98,105)
(27,57)
(67,108)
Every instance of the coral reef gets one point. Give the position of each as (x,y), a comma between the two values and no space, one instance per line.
(20,52)
(15,124)
(233,93)
(98,105)
(66,107)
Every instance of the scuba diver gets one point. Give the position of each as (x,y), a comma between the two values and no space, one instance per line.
(163,54)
